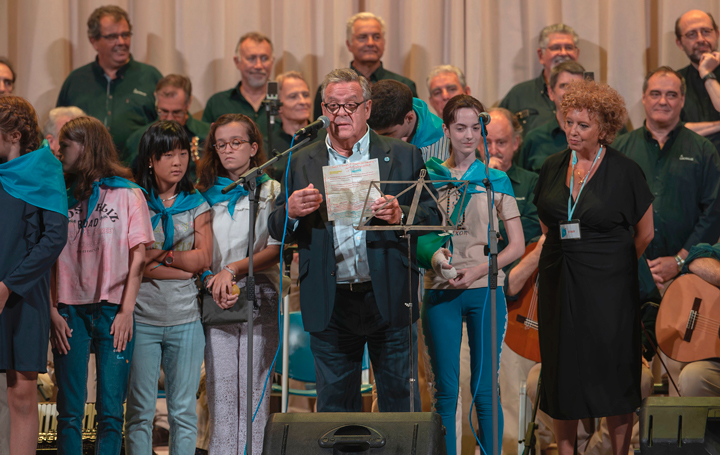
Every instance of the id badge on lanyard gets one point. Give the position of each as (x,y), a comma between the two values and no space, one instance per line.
(570,229)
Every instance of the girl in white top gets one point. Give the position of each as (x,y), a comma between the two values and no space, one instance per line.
(233,146)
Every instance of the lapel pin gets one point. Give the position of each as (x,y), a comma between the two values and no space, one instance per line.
(387,159)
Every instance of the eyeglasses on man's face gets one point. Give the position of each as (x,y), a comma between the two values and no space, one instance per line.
(350,108)
(704,32)
(112,37)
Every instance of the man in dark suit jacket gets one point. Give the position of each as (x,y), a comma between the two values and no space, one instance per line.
(354,284)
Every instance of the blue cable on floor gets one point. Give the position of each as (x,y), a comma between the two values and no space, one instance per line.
(280,298)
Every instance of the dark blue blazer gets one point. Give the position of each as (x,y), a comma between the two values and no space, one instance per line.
(386,250)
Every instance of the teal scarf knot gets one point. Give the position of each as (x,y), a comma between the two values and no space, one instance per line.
(183,202)
(214,194)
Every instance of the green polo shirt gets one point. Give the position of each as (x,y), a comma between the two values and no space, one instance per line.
(530,99)
(684,177)
(523,184)
(698,106)
(123,104)
(540,143)
(281,142)
(379,75)
(233,102)
(193,127)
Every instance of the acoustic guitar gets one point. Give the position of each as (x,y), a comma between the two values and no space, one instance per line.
(195,153)
(688,321)
(522,328)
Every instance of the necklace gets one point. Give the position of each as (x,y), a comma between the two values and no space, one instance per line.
(580,176)
(461,221)
(170,198)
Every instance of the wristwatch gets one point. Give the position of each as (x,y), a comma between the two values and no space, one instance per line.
(709,75)
(680,261)
(169,258)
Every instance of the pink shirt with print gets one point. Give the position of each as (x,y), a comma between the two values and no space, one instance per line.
(95,263)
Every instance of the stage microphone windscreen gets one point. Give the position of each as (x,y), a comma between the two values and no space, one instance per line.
(485,118)
(320,124)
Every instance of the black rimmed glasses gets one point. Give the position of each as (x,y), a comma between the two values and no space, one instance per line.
(350,108)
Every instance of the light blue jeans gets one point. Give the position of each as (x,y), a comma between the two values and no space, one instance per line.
(180,350)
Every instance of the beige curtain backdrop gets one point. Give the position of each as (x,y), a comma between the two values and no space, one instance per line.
(493,41)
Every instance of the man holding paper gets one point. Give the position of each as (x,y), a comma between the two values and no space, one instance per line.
(353,283)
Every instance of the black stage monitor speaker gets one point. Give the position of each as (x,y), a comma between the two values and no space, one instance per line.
(687,425)
(397,433)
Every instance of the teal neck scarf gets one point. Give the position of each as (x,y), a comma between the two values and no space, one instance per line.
(110,182)
(183,202)
(37,179)
(214,195)
(475,175)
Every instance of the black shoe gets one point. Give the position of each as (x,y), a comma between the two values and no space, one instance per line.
(199,451)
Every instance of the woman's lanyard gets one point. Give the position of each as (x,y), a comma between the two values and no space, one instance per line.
(571,207)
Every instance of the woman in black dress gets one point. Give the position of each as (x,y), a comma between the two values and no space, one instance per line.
(588,292)
(34,232)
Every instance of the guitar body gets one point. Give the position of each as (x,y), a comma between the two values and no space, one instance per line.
(522,329)
(689,319)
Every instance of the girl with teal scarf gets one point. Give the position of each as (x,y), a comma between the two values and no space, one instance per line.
(168,332)
(34,232)
(456,284)
(98,277)
(233,146)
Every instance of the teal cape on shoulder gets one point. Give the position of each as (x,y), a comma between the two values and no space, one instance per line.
(36,178)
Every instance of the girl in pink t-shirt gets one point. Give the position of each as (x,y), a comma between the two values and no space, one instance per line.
(98,276)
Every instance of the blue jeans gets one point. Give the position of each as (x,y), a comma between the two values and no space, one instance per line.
(180,350)
(91,325)
(338,352)
(442,317)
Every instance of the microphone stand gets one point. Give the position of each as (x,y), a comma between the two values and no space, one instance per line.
(491,251)
(248,181)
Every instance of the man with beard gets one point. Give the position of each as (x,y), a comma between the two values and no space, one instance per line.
(696,33)
(7,77)
(254,59)
(365,35)
(114,88)
(529,100)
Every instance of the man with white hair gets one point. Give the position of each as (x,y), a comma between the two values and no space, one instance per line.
(365,35)
(57,118)
(254,59)
(444,82)
(529,100)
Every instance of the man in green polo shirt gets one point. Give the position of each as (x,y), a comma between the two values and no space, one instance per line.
(114,88)
(550,138)
(173,95)
(366,42)
(696,33)
(254,59)
(294,96)
(529,100)
(682,169)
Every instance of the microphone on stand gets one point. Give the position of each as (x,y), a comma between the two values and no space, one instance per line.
(321,123)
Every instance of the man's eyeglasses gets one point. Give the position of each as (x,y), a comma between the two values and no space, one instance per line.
(559,47)
(179,114)
(350,108)
(705,32)
(115,36)
(234,144)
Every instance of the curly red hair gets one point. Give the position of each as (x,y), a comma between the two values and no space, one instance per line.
(603,104)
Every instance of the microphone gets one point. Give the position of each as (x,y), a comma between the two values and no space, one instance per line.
(485,117)
(321,123)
